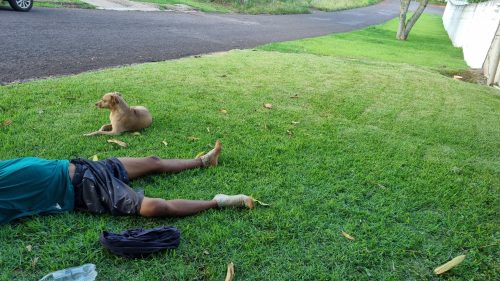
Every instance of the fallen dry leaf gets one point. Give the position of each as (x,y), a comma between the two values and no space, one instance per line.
(136,133)
(29,248)
(346,235)
(223,111)
(118,142)
(457,77)
(449,265)
(7,122)
(295,122)
(165,143)
(206,252)
(34,261)
(294,96)
(95,158)
(268,105)
(199,154)
(261,203)
(193,138)
(230,272)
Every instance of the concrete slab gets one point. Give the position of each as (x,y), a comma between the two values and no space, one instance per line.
(122,5)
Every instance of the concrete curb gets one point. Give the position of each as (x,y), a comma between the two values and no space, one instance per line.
(123,5)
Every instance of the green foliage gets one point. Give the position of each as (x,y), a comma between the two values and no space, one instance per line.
(443,2)
(400,157)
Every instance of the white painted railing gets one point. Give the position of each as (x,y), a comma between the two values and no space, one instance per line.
(472,27)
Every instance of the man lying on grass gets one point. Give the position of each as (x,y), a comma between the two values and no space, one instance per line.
(30,186)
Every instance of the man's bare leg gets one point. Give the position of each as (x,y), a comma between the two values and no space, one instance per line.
(137,167)
(157,207)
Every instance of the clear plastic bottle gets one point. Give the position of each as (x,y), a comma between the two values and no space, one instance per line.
(84,272)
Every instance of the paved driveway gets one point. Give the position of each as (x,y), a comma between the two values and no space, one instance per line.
(47,42)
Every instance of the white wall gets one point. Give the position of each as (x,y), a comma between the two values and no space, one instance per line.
(472,27)
(491,66)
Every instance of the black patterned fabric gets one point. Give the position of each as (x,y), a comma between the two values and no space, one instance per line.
(102,187)
(139,243)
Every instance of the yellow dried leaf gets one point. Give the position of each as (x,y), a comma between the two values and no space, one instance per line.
(268,105)
(230,272)
(95,158)
(206,252)
(223,111)
(29,248)
(118,142)
(165,143)
(136,133)
(346,235)
(193,138)
(199,154)
(449,265)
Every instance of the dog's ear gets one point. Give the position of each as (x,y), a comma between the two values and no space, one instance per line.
(115,99)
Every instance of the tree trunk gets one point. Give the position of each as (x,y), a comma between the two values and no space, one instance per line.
(406,26)
(403,9)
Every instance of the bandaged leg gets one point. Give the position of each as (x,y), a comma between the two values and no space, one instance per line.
(212,157)
(239,200)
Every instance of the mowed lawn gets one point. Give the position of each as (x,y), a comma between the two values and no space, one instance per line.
(428,45)
(403,159)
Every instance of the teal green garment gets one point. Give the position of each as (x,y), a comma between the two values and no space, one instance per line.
(30,186)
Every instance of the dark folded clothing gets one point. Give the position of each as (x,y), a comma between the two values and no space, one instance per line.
(102,187)
(137,243)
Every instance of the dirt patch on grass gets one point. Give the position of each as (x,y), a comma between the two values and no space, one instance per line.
(470,75)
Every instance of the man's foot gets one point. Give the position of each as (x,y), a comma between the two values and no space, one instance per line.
(211,158)
(239,200)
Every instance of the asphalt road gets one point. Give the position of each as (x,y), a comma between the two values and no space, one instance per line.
(48,42)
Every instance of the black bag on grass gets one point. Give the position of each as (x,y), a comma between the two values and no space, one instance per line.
(138,243)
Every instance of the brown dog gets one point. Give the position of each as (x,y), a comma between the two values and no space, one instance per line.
(123,118)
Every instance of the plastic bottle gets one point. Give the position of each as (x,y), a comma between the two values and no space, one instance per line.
(84,272)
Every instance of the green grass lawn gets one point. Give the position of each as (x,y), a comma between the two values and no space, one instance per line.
(56,4)
(62,4)
(397,155)
(267,6)
(428,45)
